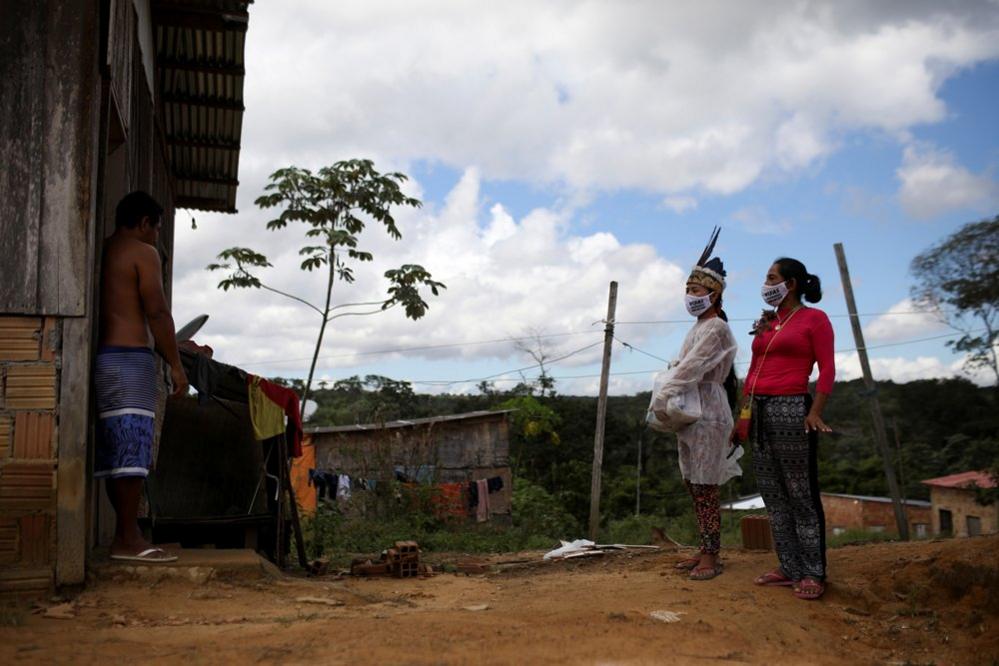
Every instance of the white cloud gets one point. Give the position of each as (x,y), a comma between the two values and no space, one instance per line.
(503,276)
(933,183)
(904,320)
(668,97)
(897,369)
(680,204)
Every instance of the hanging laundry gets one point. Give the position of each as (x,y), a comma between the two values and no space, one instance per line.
(473,495)
(287,400)
(482,510)
(495,483)
(318,479)
(343,487)
(265,414)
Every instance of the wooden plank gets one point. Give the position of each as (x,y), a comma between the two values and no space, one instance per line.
(74,429)
(69,154)
(22,112)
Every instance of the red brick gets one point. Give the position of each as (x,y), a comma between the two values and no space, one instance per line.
(31,387)
(49,342)
(8,540)
(20,338)
(33,435)
(27,487)
(36,539)
(5,431)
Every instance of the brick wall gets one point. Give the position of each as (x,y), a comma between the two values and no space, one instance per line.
(29,369)
(842,513)
(850,513)
(961,504)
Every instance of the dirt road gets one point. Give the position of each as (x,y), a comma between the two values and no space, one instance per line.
(917,603)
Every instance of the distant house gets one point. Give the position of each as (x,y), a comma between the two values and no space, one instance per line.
(450,449)
(856,512)
(956,511)
(873,514)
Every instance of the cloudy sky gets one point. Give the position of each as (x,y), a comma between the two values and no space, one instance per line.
(557,146)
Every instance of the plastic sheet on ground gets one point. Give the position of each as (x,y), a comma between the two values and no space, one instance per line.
(586,548)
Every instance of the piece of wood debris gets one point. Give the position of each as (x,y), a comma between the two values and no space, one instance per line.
(319,600)
(66,611)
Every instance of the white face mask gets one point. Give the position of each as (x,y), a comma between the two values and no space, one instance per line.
(697,305)
(773,294)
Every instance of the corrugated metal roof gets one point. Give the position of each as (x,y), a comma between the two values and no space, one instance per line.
(872,498)
(963,480)
(756,501)
(405,423)
(200,70)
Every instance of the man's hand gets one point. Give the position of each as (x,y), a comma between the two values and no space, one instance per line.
(179,380)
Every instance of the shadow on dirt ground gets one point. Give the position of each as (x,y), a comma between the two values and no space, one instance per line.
(907,603)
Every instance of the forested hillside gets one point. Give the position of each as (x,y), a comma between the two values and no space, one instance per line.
(943,426)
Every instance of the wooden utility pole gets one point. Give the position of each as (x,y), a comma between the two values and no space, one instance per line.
(880,436)
(598,437)
(638,474)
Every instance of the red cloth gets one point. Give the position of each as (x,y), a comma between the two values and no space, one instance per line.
(287,400)
(807,339)
(448,501)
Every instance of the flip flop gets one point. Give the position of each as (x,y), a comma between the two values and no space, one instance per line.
(149,555)
(809,589)
(775,578)
(688,564)
(706,573)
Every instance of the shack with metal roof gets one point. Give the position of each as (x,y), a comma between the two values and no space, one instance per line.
(97,98)
(445,450)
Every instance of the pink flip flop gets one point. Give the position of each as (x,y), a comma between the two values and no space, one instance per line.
(775,578)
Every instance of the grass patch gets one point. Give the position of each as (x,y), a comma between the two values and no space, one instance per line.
(853,537)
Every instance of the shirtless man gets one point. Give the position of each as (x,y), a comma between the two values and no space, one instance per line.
(133,310)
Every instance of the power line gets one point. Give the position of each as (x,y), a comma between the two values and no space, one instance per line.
(399,350)
(509,372)
(640,351)
(653,370)
(471,343)
(831,316)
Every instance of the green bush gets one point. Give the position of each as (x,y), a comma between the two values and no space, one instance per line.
(539,523)
(536,512)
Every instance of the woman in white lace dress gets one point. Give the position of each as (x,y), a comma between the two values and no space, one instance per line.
(705,451)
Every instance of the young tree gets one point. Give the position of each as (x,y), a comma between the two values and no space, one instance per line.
(959,278)
(534,345)
(335,204)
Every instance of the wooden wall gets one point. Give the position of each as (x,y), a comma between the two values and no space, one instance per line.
(458,451)
(68,156)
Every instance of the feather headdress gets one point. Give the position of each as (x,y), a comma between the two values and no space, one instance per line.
(709,272)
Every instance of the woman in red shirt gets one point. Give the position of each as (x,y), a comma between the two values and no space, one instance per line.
(788,342)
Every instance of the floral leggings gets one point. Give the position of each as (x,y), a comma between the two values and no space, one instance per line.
(707,509)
